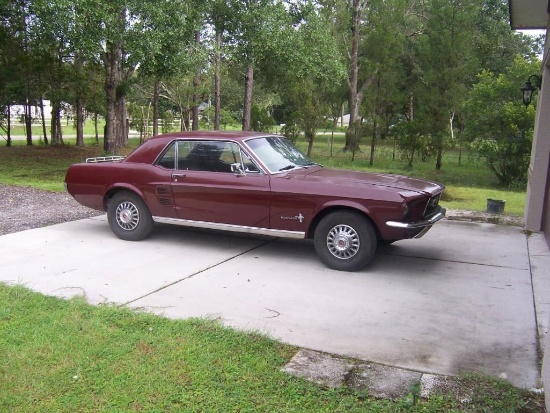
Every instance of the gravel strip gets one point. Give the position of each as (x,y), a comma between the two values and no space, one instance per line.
(24,208)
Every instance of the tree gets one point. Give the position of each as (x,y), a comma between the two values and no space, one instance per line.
(175,35)
(496,44)
(220,17)
(124,35)
(369,33)
(385,97)
(448,66)
(499,126)
(312,74)
(20,57)
(260,34)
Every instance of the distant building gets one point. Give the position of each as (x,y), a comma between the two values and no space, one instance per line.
(17,111)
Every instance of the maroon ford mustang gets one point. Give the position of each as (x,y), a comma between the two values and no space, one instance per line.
(255,183)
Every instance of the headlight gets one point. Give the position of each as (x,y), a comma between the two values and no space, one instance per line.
(405,209)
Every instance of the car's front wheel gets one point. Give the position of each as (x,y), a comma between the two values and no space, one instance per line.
(129,217)
(345,241)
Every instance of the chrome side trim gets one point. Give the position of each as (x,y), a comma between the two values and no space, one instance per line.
(398,224)
(231,228)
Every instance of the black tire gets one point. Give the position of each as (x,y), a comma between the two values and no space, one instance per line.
(129,217)
(345,241)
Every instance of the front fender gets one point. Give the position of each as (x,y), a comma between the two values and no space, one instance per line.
(334,205)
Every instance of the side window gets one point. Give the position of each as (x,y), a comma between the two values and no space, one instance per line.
(168,158)
(249,165)
(184,149)
(230,153)
(211,156)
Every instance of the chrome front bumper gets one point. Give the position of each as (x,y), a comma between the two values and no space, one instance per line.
(440,214)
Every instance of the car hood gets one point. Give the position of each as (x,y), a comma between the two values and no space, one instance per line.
(357,178)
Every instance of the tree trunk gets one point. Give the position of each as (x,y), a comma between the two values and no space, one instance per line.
(43,119)
(196,103)
(58,127)
(196,84)
(354,70)
(124,122)
(111,83)
(373,144)
(28,121)
(115,121)
(185,119)
(53,123)
(8,143)
(217,85)
(96,119)
(156,108)
(354,73)
(310,138)
(247,106)
(79,121)
(439,157)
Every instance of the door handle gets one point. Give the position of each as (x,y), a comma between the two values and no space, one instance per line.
(176,176)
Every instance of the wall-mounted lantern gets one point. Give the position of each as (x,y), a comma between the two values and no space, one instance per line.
(528,88)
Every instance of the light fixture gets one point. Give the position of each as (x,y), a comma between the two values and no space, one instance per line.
(527,89)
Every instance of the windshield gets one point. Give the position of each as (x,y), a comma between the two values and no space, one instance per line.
(278,154)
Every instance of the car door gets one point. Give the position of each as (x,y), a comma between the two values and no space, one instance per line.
(205,188)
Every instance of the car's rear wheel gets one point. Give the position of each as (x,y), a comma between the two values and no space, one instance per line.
(345,241)
(129,217)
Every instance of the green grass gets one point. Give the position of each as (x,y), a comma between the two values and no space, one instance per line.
(67,356)
(68,129)
(475,199)
(44,166)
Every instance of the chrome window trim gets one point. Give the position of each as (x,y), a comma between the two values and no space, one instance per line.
(261,169)
(163,152)
(242,149)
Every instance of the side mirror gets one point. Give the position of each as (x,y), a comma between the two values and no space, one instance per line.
(238,169)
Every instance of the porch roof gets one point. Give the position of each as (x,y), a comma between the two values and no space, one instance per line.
(529,14)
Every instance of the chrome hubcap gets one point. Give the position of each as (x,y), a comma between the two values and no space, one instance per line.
(343,242)
(127,216)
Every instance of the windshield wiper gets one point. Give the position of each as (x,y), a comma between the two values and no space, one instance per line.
(288,167)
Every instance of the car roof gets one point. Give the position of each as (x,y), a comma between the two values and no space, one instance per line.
(214,135)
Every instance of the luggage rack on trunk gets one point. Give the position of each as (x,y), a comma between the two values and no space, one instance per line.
(105,159)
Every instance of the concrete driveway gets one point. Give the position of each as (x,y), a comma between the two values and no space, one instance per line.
(467,296)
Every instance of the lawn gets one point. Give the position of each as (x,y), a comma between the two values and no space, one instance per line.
(68,129)
(67,356)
